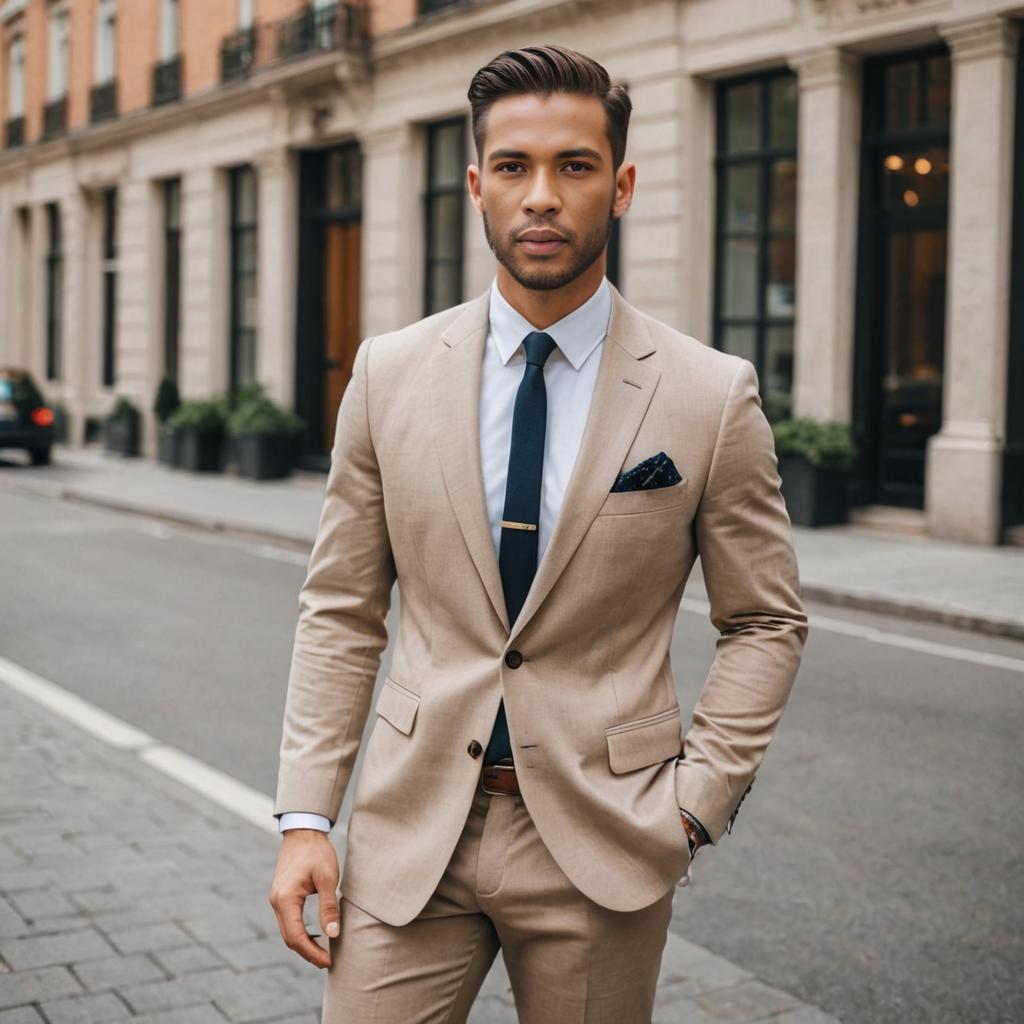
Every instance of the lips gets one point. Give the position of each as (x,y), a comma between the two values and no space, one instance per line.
(540,242)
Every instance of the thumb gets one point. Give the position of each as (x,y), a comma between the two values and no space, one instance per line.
(330,914)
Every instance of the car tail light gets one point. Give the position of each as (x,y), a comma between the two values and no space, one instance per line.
(42,416)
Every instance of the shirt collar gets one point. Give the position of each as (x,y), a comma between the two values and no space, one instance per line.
(577,334)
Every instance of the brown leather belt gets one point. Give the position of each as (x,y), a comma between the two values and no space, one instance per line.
(499,778)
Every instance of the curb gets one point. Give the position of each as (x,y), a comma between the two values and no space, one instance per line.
(861,600)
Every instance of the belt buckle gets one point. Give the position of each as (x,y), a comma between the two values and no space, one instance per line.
(497,766)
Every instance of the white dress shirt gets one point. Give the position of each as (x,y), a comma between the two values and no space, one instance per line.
(569,376)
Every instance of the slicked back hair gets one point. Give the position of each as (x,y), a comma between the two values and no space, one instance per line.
(545,70)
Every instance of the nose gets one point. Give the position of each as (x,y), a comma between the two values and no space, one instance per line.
(542,196)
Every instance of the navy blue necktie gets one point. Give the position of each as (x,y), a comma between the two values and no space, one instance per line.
(517,551)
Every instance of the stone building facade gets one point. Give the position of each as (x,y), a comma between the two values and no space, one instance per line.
(234,190)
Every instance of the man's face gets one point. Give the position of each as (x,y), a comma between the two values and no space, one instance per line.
(547,167)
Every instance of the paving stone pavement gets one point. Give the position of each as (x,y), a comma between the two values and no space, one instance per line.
(124,894)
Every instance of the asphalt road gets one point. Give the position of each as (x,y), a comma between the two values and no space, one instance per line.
(874,869)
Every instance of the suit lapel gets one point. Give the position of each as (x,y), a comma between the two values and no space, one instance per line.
(455,371)
(622,395)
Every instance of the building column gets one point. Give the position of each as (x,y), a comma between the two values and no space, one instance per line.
(205,284)
(965,456)
(393,239)
(828,161)
(277,177)
(139,331)
(75,363)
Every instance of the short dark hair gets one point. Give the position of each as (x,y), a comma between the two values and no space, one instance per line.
(547,69)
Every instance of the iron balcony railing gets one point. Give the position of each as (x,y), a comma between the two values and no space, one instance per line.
(313,30)
(167,80)
(55,117)
(428,6)
(14,132)
(238,54)
(103,101)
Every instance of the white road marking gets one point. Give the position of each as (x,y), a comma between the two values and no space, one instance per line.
(872,634)
(238,798)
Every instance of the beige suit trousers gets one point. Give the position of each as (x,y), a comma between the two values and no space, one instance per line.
(569,960)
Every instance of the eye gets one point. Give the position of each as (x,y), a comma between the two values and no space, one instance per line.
(576,163)
(510,164)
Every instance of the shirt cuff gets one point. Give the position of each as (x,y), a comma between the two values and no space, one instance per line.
(303,819)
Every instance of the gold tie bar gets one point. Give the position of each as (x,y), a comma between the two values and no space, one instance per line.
(518,526)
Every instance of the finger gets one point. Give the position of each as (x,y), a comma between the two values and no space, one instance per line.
(330,911)
(293,930)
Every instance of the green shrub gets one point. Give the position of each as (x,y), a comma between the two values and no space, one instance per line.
(821,444)
(167,399)
(198,413)
(777,405)
(261,415)
(124,409)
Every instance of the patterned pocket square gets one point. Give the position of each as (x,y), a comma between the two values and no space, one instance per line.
(657,471)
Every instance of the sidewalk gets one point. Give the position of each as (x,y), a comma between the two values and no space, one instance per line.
(964,585)
(126,895)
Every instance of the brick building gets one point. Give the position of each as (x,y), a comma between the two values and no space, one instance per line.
(229,190)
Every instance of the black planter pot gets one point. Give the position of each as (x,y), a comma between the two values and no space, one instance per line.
(815,495)
(200,450)
(264,456)
(167,446)
(121,435)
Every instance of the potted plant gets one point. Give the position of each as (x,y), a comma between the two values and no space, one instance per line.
(814,462)
(199,424)
(166,401)
(230,401)
(264,436)
(121,428)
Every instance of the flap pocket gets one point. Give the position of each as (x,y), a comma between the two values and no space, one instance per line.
(645,741)
(398,705)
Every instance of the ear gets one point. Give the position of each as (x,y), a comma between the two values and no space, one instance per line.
(473,182)
(625,185)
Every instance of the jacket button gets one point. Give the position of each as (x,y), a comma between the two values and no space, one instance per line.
(475,750)
(513,659)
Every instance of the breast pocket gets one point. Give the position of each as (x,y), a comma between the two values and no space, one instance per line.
(398,705)
(645,741)
(652,499)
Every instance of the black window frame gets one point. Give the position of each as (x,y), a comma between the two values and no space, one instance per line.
(766,155)
(431,193)
(171,202)
(109,273)
(54,291)
(240,230)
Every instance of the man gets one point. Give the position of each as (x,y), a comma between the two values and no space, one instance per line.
(539,468)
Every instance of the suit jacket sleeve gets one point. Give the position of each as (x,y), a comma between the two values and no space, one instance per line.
(341,631)
(744,538)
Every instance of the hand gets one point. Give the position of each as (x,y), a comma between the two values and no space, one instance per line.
(306,863)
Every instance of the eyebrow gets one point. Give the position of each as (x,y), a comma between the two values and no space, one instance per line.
(564,154)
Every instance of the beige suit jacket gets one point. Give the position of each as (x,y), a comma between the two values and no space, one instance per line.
(592,710)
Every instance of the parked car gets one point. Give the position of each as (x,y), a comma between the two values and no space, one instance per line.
(26,421)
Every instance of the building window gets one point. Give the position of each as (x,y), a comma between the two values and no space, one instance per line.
(244,269)
(16,77)
(756,173)
(57,65)
(106,34)
(169,11)
(54,292)
(14,134)
(172,276)
(444,213)
(109,285)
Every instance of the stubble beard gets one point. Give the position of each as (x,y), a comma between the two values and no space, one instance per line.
(534,275)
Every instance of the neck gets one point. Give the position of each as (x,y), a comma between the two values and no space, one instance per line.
(544,308)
